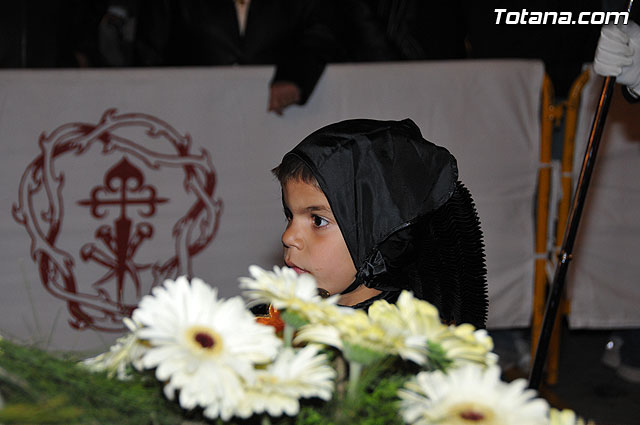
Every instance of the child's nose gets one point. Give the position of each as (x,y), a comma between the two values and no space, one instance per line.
(291,237)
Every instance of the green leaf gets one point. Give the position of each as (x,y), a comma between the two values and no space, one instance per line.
(437,356)
(363,355)
(293,319)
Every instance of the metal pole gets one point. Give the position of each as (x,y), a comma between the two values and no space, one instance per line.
(565,256)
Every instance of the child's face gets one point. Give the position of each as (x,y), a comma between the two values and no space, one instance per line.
(312,241)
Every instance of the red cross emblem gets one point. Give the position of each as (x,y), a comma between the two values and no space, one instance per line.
(123,206)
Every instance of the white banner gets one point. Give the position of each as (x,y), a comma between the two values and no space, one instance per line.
(604,277)
(116,179)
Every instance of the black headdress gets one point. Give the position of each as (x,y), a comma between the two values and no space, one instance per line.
(406,219)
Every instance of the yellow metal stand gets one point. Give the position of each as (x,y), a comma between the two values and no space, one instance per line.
(552,114)
(570,126)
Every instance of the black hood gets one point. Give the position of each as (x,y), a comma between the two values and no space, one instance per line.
(379,177)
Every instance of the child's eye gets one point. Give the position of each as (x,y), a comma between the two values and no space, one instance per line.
(319,221)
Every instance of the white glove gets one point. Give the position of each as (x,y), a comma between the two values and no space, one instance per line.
(618,54)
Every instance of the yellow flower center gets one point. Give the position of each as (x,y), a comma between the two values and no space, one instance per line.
(204,339)
(471,413)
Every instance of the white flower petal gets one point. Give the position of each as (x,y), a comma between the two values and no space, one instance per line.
(203,346)
(293,375)
(286,290)
(435,398)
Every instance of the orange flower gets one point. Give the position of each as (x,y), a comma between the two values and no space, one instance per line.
(272,319)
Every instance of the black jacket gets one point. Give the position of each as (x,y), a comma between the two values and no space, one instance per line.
(294,35)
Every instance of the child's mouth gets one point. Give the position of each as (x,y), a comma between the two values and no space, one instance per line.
(296,268)
(299,270)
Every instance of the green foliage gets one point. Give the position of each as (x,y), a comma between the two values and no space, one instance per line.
(438,359)
(293,319)
(311,416)
(376,405)
(362,355)
(42,388)
(375,401)
(53,411)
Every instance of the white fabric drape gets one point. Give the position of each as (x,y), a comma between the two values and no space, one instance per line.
(485,112)
(604,277)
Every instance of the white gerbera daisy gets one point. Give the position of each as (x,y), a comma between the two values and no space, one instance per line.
(460,344)
(128,350)
(566,417)
(386,329)
(203,346)
(319,334)
(470,395)
(345,326)
(364,337)
(465,344)
(407,325)
(287,290)
(292,376)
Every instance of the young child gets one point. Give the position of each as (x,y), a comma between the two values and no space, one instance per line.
(373,208)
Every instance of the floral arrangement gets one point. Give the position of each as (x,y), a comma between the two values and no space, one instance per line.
(311,361)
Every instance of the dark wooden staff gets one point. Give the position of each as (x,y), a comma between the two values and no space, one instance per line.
(565,256)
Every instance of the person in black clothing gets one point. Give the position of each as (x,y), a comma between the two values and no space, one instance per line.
(373,209)
(400,30)
(294,35)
